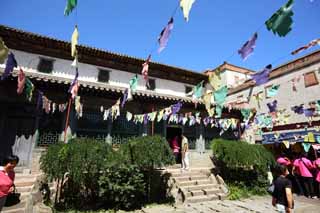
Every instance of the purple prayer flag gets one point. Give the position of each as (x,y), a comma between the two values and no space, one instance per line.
(247,49)
(39,100)
(11,63)
(74,81)
(308,112)
(263,76)
(180,119)
(176,108)
(145,119)
(273,106)
(206,121)
(124,98)
(164,35)
(298,109)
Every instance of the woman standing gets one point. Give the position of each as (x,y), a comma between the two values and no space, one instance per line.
(7,176)
(185,153)
(317,166)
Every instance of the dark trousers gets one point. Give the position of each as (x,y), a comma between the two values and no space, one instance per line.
(176,155)
(307,183)
(317,187)
(296,185)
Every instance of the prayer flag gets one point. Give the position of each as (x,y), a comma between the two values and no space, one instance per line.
(308,112)
(263,76)
(246,113)
(215,79)
(286,144)
(176,108)
(298,109)
(307,46)
(39,100)
(219,111)
(75,62)
(197,91)
(133,83)
(74,87)
(124,98)
(11,63)
(164,35)
(71,4)
(221,95)
(273,106)
(306,146)
(129,116)
(21,81)
(74,41)
(29,89)
(281,21)
(3,51)
(145,70)
(186,6)
(272,91)
(247,49)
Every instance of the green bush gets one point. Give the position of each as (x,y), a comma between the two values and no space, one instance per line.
(243,166)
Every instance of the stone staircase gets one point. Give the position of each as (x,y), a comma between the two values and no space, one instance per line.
(196,185)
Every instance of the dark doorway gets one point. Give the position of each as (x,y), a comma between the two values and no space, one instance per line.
(174,137)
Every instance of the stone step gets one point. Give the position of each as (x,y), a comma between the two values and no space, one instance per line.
(15,209)
(212,191)
(200,187)
(22,189)
(203,198)
(192,177)
(24,183)
(184,174)
(193,183)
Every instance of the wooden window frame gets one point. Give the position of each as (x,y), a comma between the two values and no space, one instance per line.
(306,85)
(43,60)
(265,91)
(188,89)
(100,78)
(150,87)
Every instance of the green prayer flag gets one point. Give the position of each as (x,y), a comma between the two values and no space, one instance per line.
(29,89)
(220,95)
(281,21)
(3,51)
(272,91)
(246,113)
(197,90)
(219,111)
(134,83)
(71,4)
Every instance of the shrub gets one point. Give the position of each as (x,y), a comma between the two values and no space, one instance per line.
(242,164)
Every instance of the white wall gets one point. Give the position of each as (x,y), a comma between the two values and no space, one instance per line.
(89,73)
(230,78)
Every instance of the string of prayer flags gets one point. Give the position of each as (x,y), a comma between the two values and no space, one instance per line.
(3,51)
(281,21)
(145,70)
(306,146)
(307,46)
(272,91)
(74,87)
(215,79)
(74,41)
(263,76)
(29,87)
(272,106)
(247,49)
(164,35)
(133,83)
(186,6)
(71,4)
(160,115)
(21,81)
(10,65)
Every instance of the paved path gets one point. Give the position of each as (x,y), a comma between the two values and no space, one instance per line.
(255,204)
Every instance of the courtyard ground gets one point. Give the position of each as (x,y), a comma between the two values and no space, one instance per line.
(254,204)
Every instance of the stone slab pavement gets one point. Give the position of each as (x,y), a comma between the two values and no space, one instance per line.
(254,204)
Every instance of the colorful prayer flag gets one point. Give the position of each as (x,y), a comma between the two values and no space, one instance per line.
(164,35)
(186,6)
(3,51)
(273,106)
(11,63)
(145,70)
(215,79)
(247,49)
(40,101)
(74,41)
(29,87)
(221,95)
(272,91)
(281,21)
(197,91)
(133,83)
(307,46)
(124,98)
(21,81)
(263,76)
(71,4)
(74,87)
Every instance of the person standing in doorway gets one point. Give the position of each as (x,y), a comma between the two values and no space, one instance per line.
(282,197)
(185,152)
(175,148)
(7,176)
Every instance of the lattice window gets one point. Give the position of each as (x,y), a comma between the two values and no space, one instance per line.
(48,138)
(45,65)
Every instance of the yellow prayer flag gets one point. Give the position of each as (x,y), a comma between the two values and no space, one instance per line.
(74,41)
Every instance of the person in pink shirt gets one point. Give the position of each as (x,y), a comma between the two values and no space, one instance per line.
(283,160)
(303,166)
(175,147)
(317,166)
(7,176)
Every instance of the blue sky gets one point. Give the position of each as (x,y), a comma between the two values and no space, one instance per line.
(215,31)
